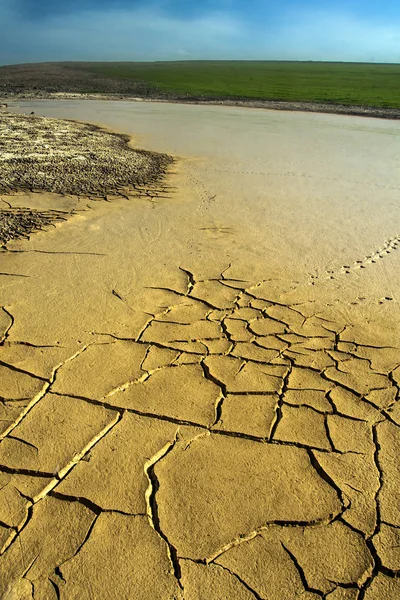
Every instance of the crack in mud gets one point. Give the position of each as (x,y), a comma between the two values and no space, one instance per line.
(47,385)
(242,582)
(301,573)
(245,369)
(151,502)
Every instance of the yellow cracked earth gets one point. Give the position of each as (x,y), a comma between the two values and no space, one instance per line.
(233,441)
(190,463)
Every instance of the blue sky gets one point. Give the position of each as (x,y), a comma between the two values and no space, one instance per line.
(50,30)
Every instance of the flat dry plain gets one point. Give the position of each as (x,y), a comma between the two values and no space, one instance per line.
(200,387)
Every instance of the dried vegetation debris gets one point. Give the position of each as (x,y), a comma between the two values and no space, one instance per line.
(19,223)
(62,157)
(65,157)
(45,80)
(245,461)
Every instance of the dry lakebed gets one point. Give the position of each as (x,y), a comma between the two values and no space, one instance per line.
(199,353)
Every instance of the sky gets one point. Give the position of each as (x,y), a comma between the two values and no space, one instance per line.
(149,30)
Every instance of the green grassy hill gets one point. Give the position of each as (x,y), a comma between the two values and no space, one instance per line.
(341,83)
(360,84)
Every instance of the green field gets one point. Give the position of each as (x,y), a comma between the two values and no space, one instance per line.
(361,84)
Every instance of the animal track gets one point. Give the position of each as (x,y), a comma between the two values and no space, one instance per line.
(206,196)
(218,229)
(387,248)
(385,299)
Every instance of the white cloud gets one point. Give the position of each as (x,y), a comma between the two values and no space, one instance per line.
(332,35)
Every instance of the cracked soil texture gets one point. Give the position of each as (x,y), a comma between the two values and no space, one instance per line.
(190,433)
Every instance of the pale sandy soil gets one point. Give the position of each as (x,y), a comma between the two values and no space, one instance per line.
(200,392)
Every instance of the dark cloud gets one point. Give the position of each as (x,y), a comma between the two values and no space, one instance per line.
(39,9)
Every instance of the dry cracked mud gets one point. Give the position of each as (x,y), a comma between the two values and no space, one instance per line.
(235,448)
(185,433)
